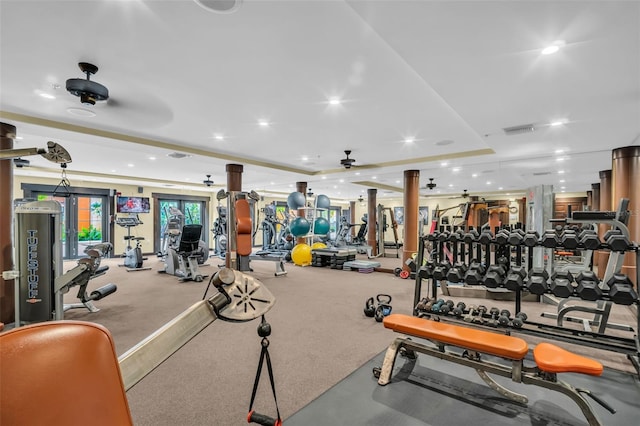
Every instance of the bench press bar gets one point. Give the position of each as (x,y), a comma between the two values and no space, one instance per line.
(518,373)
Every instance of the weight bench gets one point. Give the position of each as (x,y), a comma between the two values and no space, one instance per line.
(549,359)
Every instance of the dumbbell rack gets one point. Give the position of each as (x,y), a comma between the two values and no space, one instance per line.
(463,247)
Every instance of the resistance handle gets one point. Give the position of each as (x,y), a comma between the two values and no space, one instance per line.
(263,420)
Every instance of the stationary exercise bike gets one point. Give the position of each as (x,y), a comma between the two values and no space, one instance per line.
(133,258)
(182,261)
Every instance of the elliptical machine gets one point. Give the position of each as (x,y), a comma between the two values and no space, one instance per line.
(220,233)
(133,258)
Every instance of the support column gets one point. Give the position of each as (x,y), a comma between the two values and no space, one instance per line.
(605,206)
(410,238)
(595,206)
(372,220)
(595,199)
(302,188)
(352,218)
(234,186)
(590,200)
(7,302)
(625,174)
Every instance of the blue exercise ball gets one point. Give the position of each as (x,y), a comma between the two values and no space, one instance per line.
(321,226)
(299,226)
(295,200)
(323,202)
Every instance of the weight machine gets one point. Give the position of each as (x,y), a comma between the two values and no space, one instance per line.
(182,261)
(220,233)
(40,284)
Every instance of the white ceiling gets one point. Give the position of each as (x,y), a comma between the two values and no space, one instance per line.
(432,70)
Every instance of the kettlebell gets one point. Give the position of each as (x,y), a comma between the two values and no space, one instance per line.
(369,308)
(384,307)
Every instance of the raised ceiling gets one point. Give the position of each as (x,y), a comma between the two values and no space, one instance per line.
(452,75)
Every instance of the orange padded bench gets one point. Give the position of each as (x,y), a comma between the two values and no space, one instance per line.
(549,359)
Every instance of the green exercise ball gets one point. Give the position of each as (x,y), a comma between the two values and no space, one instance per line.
(321,226)
(299,226)
(296,200)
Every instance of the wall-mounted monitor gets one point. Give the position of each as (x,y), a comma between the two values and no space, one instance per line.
(132,205)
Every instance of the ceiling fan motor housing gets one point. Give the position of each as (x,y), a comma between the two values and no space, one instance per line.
(88,91)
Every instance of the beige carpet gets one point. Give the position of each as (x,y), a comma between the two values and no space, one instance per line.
(320,335)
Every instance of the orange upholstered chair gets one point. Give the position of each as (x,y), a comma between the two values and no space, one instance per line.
(61,373)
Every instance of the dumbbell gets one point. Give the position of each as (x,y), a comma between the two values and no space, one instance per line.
(425,271)
(516,237)
(561,284)
(550,239)
(485,238)
(478,319)
(442,307)
(502,237)
(471,236)
(616,241)
(569,239)
(589,239)
(494,313)
(440,270)
(456,273)
(494,276)
(515,278)
(587,288)
(531,238)
(474,274)
(443,236)
(458,311)
(519,320)
(537,283)
(471,313)
(621,290)
(422,304)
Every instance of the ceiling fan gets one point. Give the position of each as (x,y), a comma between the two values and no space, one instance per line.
(208,182)
(347,162)
(431,184)
(88,91)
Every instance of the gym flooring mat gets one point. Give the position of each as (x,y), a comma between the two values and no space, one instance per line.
(436,392)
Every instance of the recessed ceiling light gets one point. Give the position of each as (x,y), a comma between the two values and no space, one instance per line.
(335,101)
(409,140)
(357,173)
(444,164)
(324,177)
(563,187)
(47,96)
(152,158)
(113,171)
(456,169)
(488,182)
(187,179)
(562,180)
(373,177)
(272,183)
(397,181)
(500,188)
(553,47)
(558,122)
(81,112)
(263,123)
(305,158)
(19,138)
(131,165)
(562,191)
(560,172)
(450,185)
(218,136)
(474,175)
(559,151)
(341,180)
(560,159)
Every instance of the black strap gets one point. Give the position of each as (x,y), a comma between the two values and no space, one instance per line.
(264,354)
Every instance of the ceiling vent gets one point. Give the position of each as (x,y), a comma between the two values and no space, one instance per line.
(177,155)
(541,173)
(518,130)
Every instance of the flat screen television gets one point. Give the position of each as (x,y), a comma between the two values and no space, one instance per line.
(132,205)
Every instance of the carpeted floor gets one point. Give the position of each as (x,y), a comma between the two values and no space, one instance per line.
(320,335)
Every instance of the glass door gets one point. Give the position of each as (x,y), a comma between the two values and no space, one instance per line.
(83,222)
(177,212)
